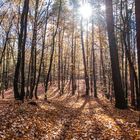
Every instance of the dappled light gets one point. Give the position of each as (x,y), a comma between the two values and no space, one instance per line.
(69,70)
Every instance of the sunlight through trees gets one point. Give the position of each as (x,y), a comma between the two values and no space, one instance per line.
(55,45)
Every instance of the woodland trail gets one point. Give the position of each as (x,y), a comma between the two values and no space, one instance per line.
(67,118)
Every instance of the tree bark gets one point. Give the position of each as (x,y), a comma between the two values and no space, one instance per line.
(20,65)
(84,60)
(137,11)
(94,63)
(52,51)
(120,101)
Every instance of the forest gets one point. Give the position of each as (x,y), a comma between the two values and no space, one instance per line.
(69,69)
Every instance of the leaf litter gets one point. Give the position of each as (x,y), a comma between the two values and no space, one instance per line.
(67,118)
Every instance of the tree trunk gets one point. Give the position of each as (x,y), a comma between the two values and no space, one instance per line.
(84,60)
(19,69)
(94,63)
(120,101)
(33,53)
(42,52)
(52,52)
(137,11)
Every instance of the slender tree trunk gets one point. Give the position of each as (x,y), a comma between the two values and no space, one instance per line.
(84,60)
(42,52)
(23,52)
(102,60)
(94,63)
(137,11)
(126,78)
(132,87)
(59,62)
(73,83)
(33,53)
(52,51)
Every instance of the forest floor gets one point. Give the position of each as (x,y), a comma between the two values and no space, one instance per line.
(67,117)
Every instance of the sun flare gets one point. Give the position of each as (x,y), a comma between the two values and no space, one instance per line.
(85,11)
(103,8)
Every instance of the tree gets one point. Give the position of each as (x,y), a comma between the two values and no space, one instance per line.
(19,93)
(84,60)
(43,48)
(52,50)
(93,59)
(137,11)
(33,53)
(120,101)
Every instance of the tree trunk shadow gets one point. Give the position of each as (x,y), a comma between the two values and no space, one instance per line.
(73,114)
(124,133)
